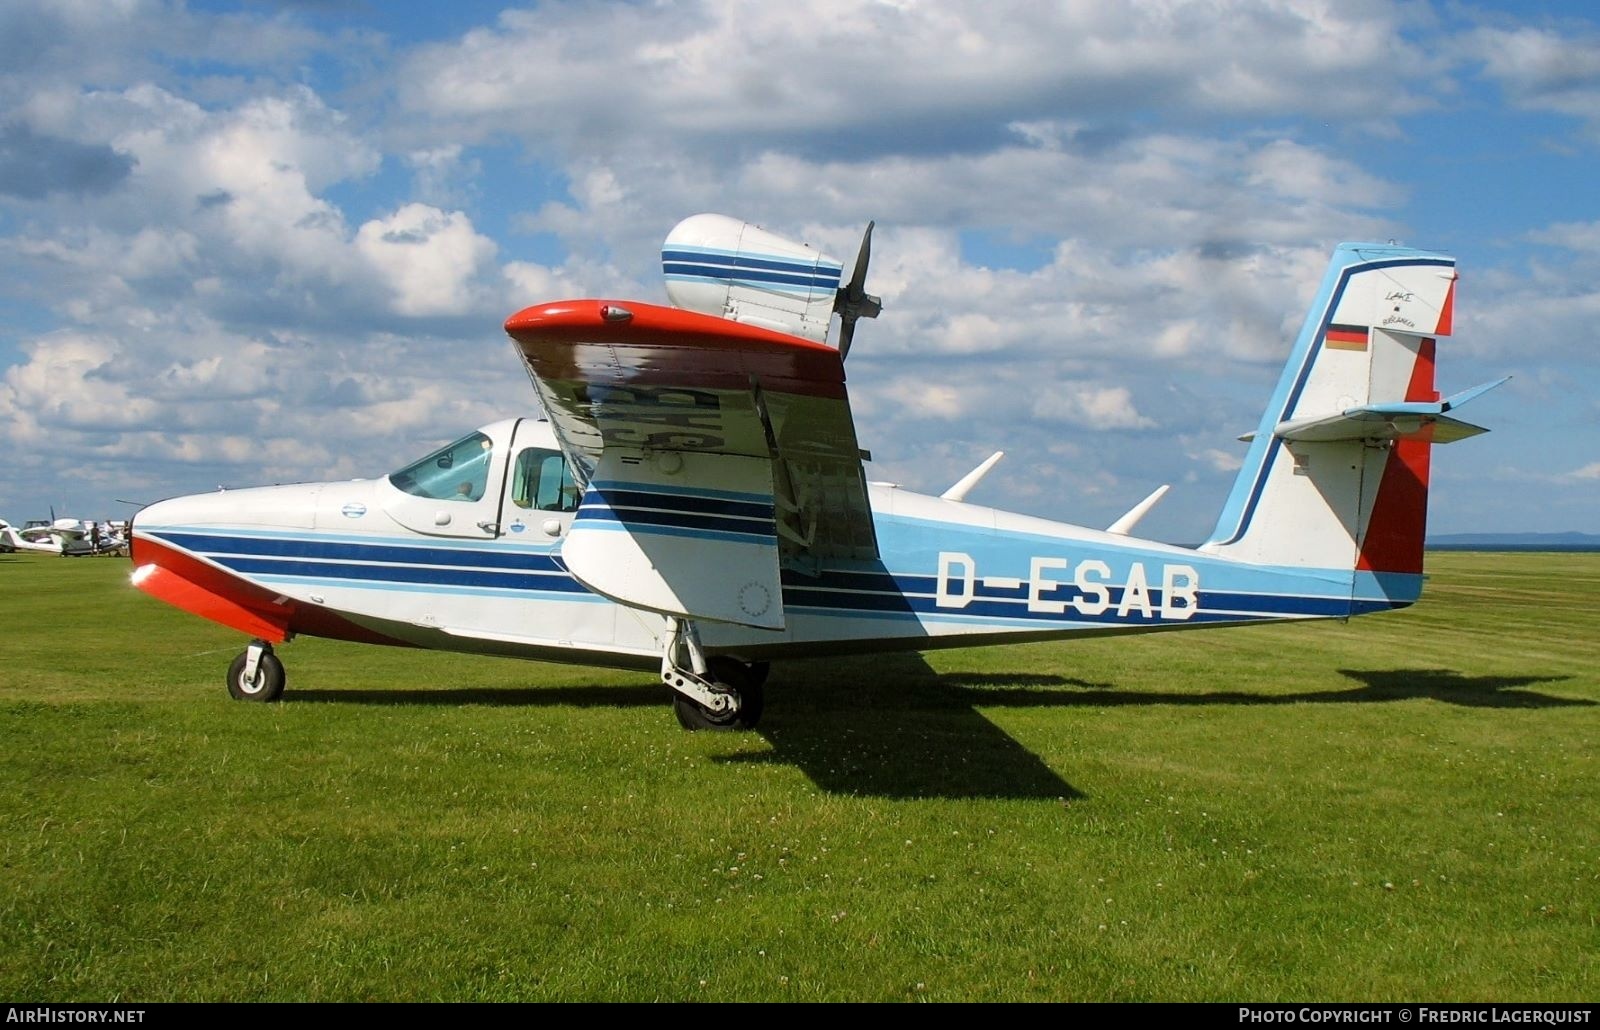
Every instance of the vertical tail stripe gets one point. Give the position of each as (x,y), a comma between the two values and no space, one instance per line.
(1447,313)
(1394,538)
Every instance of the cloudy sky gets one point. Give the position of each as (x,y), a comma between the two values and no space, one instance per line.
(249,242)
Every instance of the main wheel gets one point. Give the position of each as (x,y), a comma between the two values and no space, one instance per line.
(692,716)
(269,681)
(745,680)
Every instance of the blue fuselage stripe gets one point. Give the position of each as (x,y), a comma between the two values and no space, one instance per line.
(682,503)
(553,581)
(843,592)
(745,275)
(750,262)
(632,517)
(205,543)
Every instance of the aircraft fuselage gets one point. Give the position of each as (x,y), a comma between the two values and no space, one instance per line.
(462,552)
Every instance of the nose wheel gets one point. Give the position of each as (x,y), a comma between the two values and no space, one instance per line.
(257,674)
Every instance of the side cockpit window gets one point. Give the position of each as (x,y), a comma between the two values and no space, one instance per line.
(459,472)
(543,482)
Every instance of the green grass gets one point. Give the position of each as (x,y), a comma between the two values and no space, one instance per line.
(1404,807)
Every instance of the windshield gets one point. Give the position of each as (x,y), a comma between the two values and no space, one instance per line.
(459,472)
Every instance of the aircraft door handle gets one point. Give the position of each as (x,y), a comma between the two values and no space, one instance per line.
(489,527)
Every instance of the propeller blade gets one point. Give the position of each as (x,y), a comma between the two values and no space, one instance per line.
(858,279)
(853,301)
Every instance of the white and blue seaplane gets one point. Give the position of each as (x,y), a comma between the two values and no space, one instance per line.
(694,499)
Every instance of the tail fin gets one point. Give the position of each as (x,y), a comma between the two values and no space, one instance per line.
(1337,472)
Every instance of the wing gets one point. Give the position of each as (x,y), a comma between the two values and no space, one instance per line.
(711,453)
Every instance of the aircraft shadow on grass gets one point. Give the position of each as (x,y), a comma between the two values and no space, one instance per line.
(885,726)
(890,726)
(1377,685)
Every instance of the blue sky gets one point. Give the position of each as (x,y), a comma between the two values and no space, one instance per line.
(251,242)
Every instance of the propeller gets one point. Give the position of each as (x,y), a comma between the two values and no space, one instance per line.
(853,301)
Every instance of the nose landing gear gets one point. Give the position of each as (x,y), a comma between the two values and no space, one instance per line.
(257,674)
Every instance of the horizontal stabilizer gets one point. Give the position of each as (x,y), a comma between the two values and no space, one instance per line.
(1391,421)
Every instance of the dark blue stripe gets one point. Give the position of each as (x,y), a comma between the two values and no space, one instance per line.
(1233,607)
(683,520)
(870,591)
(406,574)
(399,554)
(851,580)
(682,503)
(700,257)
(753,275)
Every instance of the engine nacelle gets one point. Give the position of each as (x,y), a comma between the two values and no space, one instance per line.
(721,266)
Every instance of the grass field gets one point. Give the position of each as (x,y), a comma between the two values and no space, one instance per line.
(1406,807)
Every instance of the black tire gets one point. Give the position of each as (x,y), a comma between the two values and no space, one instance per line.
(745,680)
(269,682)
(693,717)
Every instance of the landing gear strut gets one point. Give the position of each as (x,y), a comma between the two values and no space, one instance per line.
(717,693)
(257,674)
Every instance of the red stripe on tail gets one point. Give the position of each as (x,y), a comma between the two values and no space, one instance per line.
(1399,523)
(1447,314)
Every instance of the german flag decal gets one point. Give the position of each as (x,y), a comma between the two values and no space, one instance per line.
(1346,337)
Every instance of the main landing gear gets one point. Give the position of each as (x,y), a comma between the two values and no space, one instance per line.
(716,693)
(708,693)
(257,674)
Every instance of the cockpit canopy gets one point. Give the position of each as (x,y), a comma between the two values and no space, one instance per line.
(541,479)
(458,472)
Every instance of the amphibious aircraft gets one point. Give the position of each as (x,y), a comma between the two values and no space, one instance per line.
(695,500)
(64,536)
